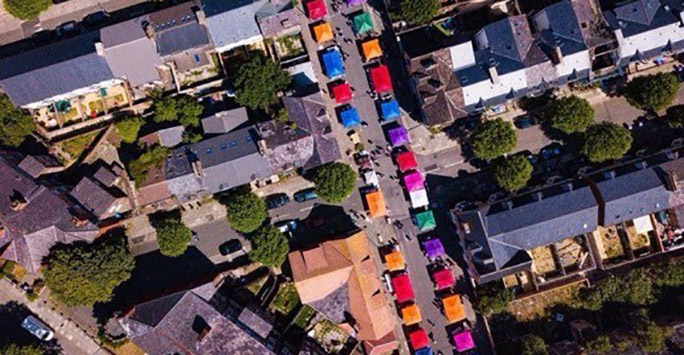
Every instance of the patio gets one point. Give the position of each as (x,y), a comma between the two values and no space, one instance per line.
(561,258)
(609,244)
(289,46)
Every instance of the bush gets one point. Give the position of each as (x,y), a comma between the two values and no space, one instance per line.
(569,114)
(152,159)
(173,236)
(26,9)
(600,344)
(606,141)
(652,92)
(334,181)
(493,138)
(651,337)
(128,129)
(419,12)
(269,247)
(494,301)
(14,349)
(675,116)
(182,109)
(512,173)
(259,81)
(533,345)
(15,125)
(635,288)
(246,211)
(670,274)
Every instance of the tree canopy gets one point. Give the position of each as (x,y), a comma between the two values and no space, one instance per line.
(419,12)
(493,301)
(675,116)
(533,345)
(512,173)
(600,345)
(83,274)
(259,81)
(15,125)
(269,247)
(635,288)
(606,141)
(151,159)
(26,9)
(14,349)
(172,235)
(246,211)
(493,138)
(569,114)
(128,128)
(334,181)
(652,92)
(182,109)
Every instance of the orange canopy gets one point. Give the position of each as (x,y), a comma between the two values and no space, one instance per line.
(411,314)
(371,49)
(376,204)
(395,261)
(323,33)
(453,308)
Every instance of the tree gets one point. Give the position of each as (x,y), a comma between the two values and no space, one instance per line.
(669,274)
(419,12)
(269,247)
(15,125)
(494,301)
(14,349)
(533,345)
(601,344)
(512,173)
(606,141)
(652,92)
(675,116)
(172,235)
(83,274)
(26,9)
(259,81)
(334,181)
(128,129)
(246,211)
(652,337)
(183,109)
(493,138)
(151,159)
(569,114)
(637,288)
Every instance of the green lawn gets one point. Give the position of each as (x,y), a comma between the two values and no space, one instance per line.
(75,147)
(286,299)
(304,317)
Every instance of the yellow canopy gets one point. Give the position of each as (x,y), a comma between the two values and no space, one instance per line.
(453,308)
(395,261)
(411,314)
(371,49)
(323,33)
(376,204)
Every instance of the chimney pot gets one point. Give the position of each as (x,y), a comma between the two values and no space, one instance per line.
(557,55)
(100,49)
(493,75)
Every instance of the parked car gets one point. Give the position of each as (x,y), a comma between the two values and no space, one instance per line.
(277,200)
(97,19)
(305,195)
(67,29)
(525,122)
(286,226)
(39,329)
(551,151)
(230,247)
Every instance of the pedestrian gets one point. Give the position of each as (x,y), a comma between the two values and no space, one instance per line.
(370,141)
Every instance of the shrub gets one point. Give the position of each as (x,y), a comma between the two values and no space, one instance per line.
(26,9)
(128,129)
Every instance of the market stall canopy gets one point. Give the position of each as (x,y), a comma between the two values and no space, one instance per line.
(354,2)
(363,23)
(317,9)
(332,61)
(382,81)
(370,177)
(414,181)
(395,261)
(433,248)
(643,224)
(463,340)
(398,136)
(444,278)
(425,351)
(376,204)
(323,33)
(406,161)
(403,288)
(342,93)
(419,339)
(453,308)
(411,314)
(371,49)
(419,198)
(425,220)
(350,117)
(390,110)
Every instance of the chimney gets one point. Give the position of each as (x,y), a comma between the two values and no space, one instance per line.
(609,175)
(640,165)
(263,146)
(149,29)
(493,75)
(508,204)
(79,220)
(556,55)
(100,49)
(201,17)
(203,333)
(18,202)
(197,168)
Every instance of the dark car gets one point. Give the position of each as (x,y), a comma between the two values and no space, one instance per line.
(67,29)
(305,195)
(277,200)
(551,151)
(230,247)
(97,19)
(525,122)
(286,226)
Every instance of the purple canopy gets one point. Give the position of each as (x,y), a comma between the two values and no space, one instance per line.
(463,340)
(414,181)
(354,2)
(433,248)
(398,136)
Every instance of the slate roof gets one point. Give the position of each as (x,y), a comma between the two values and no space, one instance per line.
(35,165)
(640,16)
(254,322)
(232,21)
(130,53)
(274,17)
(54,69)
(105,176)
(225,121)
(182,38)
(93,197)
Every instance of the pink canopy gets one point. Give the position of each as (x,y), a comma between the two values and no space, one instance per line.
(398,136)
(444,278)
(414,181)
(463,340)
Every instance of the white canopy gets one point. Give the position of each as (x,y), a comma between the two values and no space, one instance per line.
(371,178)
(643,224)
(419,198)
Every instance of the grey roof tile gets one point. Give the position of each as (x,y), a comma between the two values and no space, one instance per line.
(182,38)
(232,21)
(225,121)
(93,197)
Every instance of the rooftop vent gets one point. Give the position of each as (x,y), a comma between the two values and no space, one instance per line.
(538,196)
(641,165)
(609,175)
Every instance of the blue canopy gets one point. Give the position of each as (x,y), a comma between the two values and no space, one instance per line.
(332,61)
(424,351)
(390,110)
(350,117)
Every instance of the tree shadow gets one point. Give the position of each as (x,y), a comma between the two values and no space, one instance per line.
(11,332)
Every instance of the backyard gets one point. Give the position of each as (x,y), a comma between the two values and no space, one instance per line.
(76,146)
(286,300)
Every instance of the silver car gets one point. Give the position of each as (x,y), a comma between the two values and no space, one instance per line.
(39,329)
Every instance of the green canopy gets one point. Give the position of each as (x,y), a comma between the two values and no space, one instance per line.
(425,220)
(363,23)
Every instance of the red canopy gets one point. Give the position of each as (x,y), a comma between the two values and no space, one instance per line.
(403,288)
(381,79)
(444,278)
(406,161)
(419,339)
(317,9)
(342,93)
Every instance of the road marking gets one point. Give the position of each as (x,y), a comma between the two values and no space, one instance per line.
(454,164)
(306,209)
